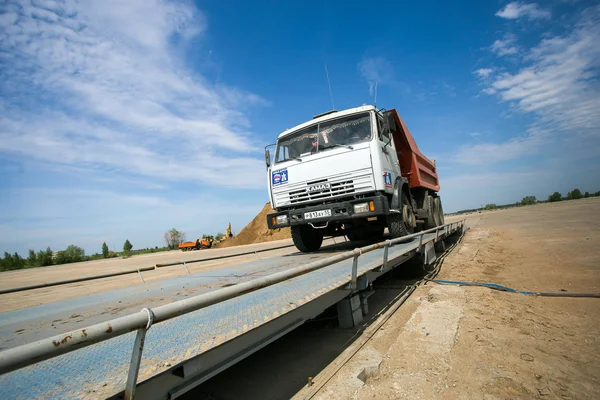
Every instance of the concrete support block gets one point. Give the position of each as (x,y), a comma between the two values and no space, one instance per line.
(440,246)
(349,312)
(429,254)
(364,304)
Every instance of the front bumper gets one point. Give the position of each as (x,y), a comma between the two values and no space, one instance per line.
(340,211)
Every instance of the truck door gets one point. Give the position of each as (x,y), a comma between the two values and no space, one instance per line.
(389,161)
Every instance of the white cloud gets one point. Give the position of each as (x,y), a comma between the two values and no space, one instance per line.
(491,153)
(375,70)
(517,10)
(483,72)
(560,84)
(100,86)
(506,46)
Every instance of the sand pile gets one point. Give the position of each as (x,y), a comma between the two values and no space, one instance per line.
(257,231)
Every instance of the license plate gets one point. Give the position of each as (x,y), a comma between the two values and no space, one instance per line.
(317,214)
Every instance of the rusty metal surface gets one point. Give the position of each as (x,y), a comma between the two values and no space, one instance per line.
(101,370)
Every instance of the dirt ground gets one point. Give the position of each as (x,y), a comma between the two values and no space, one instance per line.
(458,342)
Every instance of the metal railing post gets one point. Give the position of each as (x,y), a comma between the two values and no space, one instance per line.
(136,357)
(186,268)
(353,284)
(386,249)
(141,277)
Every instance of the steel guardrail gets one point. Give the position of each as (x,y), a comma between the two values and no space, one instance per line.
(32,353)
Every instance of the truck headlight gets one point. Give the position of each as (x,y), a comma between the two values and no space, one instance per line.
(361,208)
(282,219)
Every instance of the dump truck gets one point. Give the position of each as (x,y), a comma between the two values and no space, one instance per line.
(203,243)
(355,173)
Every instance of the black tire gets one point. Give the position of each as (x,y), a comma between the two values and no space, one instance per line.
(396,225)
(353,236)
(365,234)
(430,222)
(442,219)
(306,238)
(437,215)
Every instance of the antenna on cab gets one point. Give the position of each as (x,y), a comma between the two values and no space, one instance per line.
(329,85)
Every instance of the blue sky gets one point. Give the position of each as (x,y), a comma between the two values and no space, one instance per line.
(120,120)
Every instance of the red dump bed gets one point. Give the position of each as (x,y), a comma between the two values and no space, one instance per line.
(414,166)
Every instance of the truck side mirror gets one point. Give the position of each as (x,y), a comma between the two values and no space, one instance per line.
(268,155)
(391,122)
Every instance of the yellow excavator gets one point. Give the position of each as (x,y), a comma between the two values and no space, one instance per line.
(228,234)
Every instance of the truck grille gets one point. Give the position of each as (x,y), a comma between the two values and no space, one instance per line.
(339,186)
(336,189)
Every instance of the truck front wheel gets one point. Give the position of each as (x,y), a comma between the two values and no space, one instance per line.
(401,224)
(306,238)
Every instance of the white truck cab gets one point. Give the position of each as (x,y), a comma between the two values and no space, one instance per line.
(336,175)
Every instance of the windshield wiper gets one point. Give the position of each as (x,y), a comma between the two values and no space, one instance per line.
(338,145)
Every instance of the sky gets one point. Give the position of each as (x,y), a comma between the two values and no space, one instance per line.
(122,119)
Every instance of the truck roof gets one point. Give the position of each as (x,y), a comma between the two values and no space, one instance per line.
(327,117)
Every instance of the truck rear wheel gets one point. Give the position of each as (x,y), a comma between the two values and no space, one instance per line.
(431,221)
(399,224)
(306,238)
(438,211)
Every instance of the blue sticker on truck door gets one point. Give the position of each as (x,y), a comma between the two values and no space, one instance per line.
(387,179)
(279,177)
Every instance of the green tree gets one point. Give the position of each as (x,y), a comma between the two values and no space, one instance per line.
(127,246)
(70,255)
(6,262)
(104,250)
(491,206)
(12,261)
(32,259)
(528,200)
(555,197)
(586,194)
(45,257)
(219,236)
(597,194)
(574,194)
(19,261)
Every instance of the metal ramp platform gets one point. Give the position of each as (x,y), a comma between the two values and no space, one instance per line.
(184,351)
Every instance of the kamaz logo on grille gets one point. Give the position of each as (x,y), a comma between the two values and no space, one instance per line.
(319,188)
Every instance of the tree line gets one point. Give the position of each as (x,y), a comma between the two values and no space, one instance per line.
(529,200)
(73,253)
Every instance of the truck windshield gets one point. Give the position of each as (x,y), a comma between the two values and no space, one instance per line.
(346,131)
